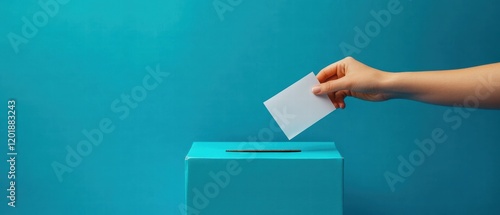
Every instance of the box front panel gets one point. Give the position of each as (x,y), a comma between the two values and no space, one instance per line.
(265,186)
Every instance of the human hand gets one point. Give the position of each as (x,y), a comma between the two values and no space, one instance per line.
(349,77)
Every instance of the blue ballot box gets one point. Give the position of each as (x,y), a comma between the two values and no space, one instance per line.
(232,178)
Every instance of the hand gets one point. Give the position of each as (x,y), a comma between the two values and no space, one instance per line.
(349,77)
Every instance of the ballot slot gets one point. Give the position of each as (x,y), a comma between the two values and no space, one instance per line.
(264,150)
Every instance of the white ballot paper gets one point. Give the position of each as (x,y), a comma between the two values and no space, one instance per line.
(296,107)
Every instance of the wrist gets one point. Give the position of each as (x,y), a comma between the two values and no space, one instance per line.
(387,84)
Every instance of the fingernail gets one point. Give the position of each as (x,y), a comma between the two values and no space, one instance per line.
(316,89)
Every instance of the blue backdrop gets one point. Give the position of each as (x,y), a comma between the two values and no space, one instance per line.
(111,94)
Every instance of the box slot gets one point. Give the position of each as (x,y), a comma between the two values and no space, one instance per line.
(264,150)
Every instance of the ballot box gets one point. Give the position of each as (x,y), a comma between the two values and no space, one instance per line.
(240,178)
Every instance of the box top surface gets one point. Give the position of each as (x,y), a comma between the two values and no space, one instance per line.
(308,150)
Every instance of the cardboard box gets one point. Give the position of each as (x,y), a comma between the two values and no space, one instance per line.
(267,178)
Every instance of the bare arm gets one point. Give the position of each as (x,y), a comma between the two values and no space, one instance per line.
(477,87)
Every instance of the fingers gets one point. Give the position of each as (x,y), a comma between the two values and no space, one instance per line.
(340,96)
(334,82)
(337,98)
(331,86)
(328,72)
(332,99)
(336,69)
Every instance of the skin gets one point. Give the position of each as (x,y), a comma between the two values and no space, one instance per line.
(477,87)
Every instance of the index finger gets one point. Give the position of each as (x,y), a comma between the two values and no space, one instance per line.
(328,72)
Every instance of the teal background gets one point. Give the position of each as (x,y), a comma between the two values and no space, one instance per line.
(91,52)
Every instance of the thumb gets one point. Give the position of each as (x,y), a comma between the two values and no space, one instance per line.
(331,86)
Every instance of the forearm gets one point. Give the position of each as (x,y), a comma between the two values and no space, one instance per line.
(476,86)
